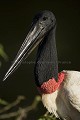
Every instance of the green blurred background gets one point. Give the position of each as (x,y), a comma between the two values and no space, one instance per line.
(15,19)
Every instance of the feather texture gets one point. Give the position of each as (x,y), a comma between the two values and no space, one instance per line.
(65,102)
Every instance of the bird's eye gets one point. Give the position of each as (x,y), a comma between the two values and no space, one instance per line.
(45,18)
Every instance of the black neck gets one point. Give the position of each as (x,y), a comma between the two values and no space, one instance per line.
(46,65)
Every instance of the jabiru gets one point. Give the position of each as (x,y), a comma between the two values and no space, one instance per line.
(60,91)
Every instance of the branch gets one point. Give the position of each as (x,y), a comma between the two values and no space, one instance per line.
(22,112)
(9,106)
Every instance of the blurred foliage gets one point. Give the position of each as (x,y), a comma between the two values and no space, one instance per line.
(5,57)
(3,53)
(3,102)
(48,116)
(20,113)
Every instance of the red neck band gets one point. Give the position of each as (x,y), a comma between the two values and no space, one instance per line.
(51,85)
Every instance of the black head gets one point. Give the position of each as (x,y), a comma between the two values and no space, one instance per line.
(45,19)
(42,23)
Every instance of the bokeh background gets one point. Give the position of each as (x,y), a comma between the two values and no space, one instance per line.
(15,19)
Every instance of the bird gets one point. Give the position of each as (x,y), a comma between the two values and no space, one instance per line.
(60,91)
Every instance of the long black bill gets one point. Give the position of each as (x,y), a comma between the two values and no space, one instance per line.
(33,38)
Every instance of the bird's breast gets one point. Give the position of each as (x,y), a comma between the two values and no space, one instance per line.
(65,101)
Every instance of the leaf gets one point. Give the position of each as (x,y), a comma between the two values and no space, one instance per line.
(48,117)
(3,102)
(2,53)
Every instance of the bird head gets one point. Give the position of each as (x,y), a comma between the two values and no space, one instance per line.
(42,23)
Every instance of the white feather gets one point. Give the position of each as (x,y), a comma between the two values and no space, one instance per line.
(65,102)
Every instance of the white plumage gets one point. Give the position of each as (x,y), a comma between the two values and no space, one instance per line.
(65,102)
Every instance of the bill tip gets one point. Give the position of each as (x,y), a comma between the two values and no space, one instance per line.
(5,77)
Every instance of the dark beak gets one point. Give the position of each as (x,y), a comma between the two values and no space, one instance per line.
(33,38)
